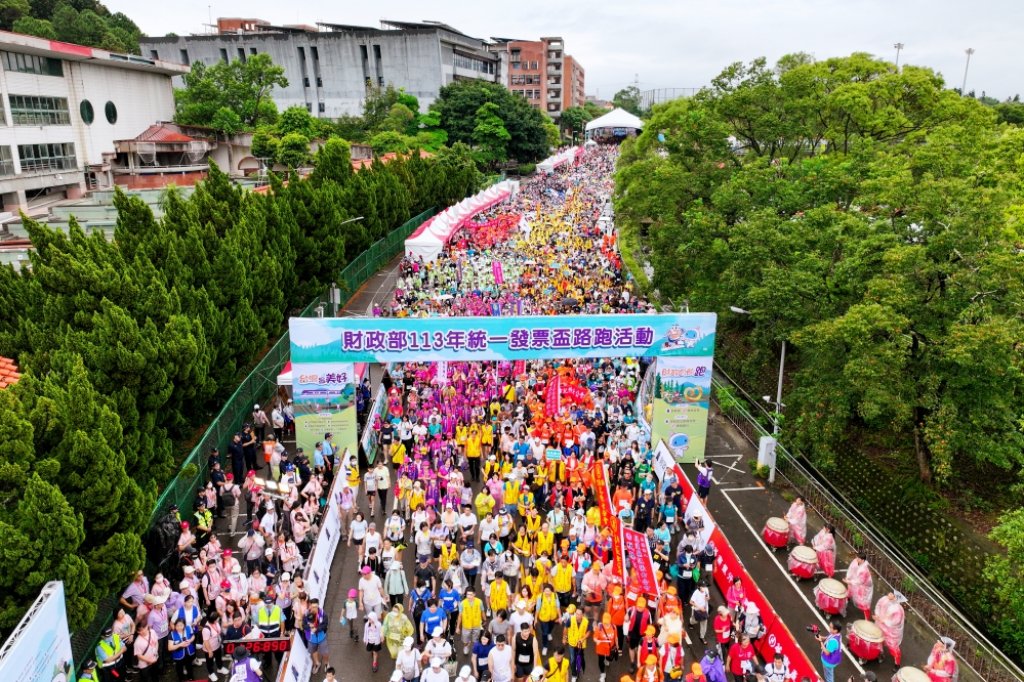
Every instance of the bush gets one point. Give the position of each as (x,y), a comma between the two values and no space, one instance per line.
(526,168)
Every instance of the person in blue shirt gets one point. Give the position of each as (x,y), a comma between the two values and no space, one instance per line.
(449,599)
(434,617)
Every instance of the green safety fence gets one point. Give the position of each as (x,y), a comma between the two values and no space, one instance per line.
(255,388)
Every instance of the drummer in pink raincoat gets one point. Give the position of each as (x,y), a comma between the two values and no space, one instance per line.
(889,617)
(796,517)
(860,583)
(824,543)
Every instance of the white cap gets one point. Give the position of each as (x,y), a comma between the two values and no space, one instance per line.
(408,642)
(184,585)
(286,576)
(435,662)
(464,671)
(437,632)
(256,407)
(538,673)
(396,676)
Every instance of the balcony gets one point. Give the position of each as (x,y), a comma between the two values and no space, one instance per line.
(554,70)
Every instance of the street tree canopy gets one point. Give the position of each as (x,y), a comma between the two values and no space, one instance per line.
(242,87)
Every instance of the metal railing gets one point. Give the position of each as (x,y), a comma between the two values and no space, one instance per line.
(979,658)
(260,382)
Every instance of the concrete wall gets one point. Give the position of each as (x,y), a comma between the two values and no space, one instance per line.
(408,59)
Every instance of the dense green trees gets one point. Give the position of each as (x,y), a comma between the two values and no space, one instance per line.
(457,106)
(230,96)
(127,344)
(85,22)
(872,219)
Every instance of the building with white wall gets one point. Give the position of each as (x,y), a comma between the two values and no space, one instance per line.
(330,68)
(63,106)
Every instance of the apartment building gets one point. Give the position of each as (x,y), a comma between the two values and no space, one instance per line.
(541,72)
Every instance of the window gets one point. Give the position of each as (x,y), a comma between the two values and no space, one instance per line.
(473,63)
(153,54)
(533,65)
(241,54)
(183,54)
(319,82)
(302,54)
(515,65)
(6,161)
(29,110)
(30,63)
(321,107)
(85,110)
(305,82)
(252,50)
(111,111)
(309,107)
(315,53)
(223,54)
(47,157)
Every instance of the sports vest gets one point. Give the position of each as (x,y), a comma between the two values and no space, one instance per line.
(269,622)
(472,613)
(576,631)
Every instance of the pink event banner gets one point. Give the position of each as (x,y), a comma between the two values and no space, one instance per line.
(640,560)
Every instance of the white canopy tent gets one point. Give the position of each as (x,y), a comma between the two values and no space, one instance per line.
(616,118)
(428,241)
(549,164)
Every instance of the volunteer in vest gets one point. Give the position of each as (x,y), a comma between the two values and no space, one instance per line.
(89,673)
(650,671)
(638,619)
(182,647)
(526,652)
(696,674)
(470,620)
(558,667)
(672,657)
(110,656)
(548,614)
(574,636)
(831,650)
(606,643)
(270,622)
(244,668)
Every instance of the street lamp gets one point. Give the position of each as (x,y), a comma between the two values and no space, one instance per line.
(963,88)
(898,46)
(778,395)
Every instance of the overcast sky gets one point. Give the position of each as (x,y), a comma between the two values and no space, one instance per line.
(678,43)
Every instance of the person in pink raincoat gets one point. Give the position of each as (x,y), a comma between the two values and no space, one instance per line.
(889,616)
(860,583)
(824,543)
(796,517)
(942,665)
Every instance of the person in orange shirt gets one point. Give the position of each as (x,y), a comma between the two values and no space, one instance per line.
(670,598)
(650,671)
(621,498)
(617,607)
(606,642)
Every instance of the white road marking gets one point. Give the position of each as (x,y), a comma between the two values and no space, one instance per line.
(785,572)
(741,490)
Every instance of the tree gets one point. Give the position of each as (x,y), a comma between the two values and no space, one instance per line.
(294,150)
(35,27)
(456,108)
(574,120)
(11,11)
(489,135)
(1004,573)
(242,87)
(628,98)
(333,162)
(389,141)
(400,119)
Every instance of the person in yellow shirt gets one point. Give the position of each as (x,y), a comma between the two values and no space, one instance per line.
(492,468)
(563,579)
(487,437)
(510,493)
(470,621)
(473,440)
(545,539)
(398,453)
(574,635)
(558,667)
(484,502)
(499,594)
(533,520)
(525,501)
(548,613)
(522,545)
(449,553)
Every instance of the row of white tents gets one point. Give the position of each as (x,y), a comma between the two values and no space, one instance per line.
(429,239)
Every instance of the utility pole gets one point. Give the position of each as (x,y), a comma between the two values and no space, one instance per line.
(963,88)
(898,46)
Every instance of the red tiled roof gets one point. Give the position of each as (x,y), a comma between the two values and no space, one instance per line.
(159,132)
(8,372)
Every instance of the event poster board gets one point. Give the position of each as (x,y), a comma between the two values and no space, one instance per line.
(298,667)
(323,395)
(40,648)
(681,401)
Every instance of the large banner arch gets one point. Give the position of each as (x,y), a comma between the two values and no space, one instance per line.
(324,350)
